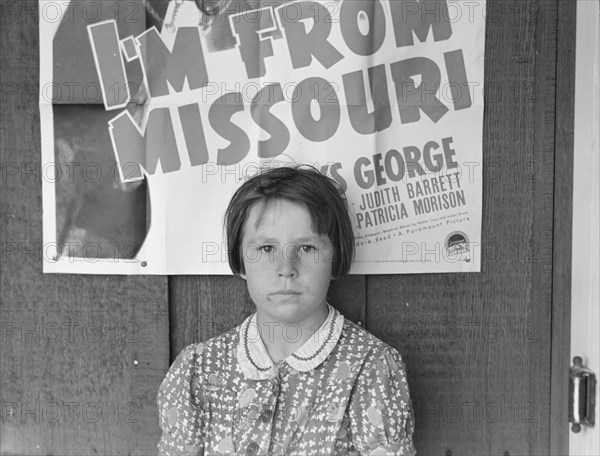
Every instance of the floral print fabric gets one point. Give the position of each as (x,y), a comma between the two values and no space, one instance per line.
(352,399)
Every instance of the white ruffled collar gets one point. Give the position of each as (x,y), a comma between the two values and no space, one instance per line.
(310,355)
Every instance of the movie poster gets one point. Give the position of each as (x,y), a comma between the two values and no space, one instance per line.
(154,112)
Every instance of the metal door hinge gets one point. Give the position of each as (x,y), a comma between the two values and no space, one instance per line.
(582,395)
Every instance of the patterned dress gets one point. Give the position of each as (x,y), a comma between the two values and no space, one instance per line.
(344,392)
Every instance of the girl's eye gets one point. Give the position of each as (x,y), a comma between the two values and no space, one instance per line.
(266,248)
(308,248)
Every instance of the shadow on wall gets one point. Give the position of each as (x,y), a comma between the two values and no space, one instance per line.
(97,216)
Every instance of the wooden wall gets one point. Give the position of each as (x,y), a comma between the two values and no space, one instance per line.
(82,356)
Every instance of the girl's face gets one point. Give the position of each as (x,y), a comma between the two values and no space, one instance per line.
(288,266)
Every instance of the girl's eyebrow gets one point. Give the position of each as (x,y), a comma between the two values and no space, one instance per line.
(261,240)
(300,240)
(313,238)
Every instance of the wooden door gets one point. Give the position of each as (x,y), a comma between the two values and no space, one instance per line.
(478,347)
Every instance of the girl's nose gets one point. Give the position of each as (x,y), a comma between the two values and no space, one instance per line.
(288,263)
(287,272)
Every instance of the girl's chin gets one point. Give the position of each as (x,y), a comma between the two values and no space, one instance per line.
(283,314)
(286,312)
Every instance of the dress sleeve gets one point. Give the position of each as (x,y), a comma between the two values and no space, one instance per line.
(180,407)
(380,410)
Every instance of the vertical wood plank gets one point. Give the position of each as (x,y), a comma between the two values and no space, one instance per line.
(563,222)
(81,356)
(349,296)
(202,307)
(477,346)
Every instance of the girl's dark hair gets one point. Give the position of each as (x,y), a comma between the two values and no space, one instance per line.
(303,185)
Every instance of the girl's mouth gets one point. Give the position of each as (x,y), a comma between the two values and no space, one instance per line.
(286,292)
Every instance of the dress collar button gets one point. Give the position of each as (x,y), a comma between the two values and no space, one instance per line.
(252,449)
(266,416)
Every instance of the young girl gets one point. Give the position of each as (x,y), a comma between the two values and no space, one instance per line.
(296,377)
